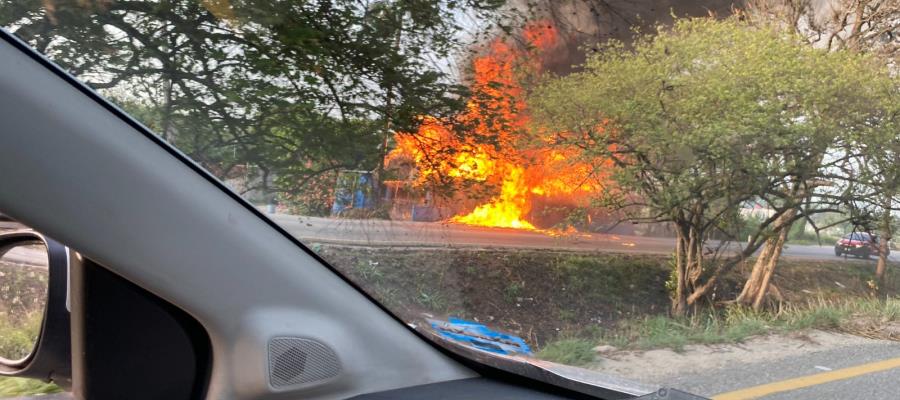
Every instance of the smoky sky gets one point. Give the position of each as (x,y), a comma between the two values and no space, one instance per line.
(586,23)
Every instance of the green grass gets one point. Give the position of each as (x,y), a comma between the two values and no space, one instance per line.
(17,343)
(569,351)
(25,387)
(733,324)
(19,328)
(608,279)
(18,338)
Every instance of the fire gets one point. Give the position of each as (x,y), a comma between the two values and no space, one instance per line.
(507,210)
(497,111)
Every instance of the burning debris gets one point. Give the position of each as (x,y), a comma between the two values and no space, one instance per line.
(495,151)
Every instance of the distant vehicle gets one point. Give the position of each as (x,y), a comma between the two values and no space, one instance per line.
(857,244)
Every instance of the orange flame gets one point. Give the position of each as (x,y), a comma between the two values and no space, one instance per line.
(497,111)
(506,210)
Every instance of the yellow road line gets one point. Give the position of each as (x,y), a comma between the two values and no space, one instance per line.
(809,380)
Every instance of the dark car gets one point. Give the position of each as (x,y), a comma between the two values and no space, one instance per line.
(857,244)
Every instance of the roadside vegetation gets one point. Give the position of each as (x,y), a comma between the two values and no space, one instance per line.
(25,387)
(704,117)
(567,303)
(20,341)
(866,317)
(21,311)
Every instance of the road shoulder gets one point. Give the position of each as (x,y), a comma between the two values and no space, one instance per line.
(710,370)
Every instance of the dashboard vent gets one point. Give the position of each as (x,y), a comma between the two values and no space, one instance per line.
(299,361)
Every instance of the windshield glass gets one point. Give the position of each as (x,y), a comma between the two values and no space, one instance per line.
(652,191)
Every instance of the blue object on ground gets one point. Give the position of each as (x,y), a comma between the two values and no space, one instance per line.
(480,336)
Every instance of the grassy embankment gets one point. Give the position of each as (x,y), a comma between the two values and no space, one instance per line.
(567,303)
(863,316)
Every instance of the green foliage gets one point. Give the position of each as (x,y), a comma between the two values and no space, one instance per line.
(722,108)
(314,198)
(607,279)
(368,271)
(432,300)
(17,340)
(799,235)
(512,291)
(709,115)
(567,316)
(819,318)
(568,351)
(735,324)
(672,282)
(296,89)
(11,387)
(23,293)
(22,297)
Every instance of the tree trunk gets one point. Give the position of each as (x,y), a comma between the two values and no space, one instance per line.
(379,186)
(688,267)
(770,268)
(757,285)
(881,267)
(884,248)
(167,132)
(679,301)
(753,283)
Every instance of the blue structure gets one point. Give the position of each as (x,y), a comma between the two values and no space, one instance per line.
(354,190)
(480,336)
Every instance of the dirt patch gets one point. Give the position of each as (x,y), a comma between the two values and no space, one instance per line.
(873,328)
(543,295)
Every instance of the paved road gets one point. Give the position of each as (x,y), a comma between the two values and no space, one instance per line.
(439,234)
(436,234)
(859,371)
(34,256)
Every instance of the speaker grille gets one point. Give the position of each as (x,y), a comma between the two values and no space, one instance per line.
(298,361)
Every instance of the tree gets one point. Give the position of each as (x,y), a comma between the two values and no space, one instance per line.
(704,118)
(876,184)
(296,89)
(856,26)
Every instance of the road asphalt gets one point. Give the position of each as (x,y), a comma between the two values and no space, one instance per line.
(824,374)
(439,234)
(34,256)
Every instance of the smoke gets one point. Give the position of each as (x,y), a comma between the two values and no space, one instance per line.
(584,24)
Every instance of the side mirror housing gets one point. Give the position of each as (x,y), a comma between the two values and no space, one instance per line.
(50,356)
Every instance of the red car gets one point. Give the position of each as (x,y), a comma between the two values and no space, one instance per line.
(858,244)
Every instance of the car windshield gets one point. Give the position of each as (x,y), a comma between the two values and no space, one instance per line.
(650,191)
(857,236)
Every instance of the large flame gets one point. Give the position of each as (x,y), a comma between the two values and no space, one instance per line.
(496,111)
(507,210)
